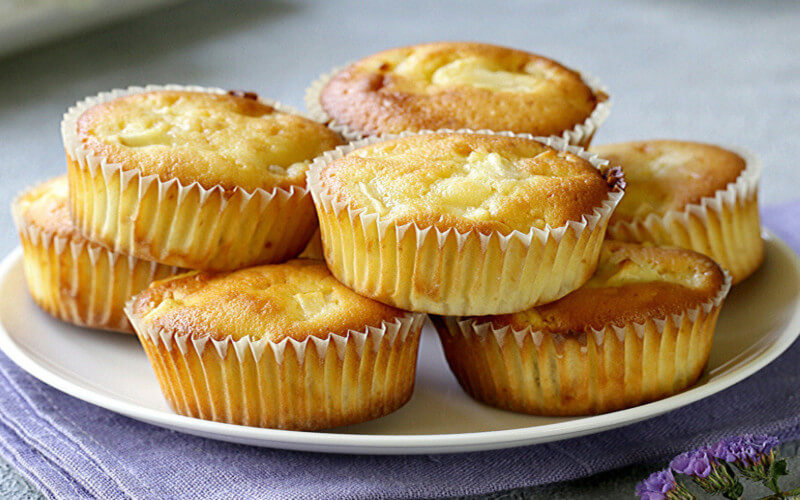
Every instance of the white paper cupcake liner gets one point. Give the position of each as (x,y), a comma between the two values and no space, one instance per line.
(173,223)
(312,384)
(580,135)
(726,226)
(447,272)
(314,248)
(81,282)
(606,369)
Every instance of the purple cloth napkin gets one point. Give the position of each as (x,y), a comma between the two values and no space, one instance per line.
(71,449)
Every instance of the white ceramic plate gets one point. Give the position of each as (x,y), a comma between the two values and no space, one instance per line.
(759,321)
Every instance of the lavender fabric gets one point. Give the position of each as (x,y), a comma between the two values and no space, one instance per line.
(70,449)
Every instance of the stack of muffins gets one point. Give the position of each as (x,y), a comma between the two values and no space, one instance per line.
(447,179)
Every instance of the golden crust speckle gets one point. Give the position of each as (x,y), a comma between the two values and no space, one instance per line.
(297,299)
(467,181)
(46,207)
(458,85)
(633,283)
(667,175)
(226,140)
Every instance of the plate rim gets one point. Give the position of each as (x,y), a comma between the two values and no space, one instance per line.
(328,442)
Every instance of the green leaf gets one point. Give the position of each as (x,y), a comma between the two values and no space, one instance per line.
(735,492)
(778,468)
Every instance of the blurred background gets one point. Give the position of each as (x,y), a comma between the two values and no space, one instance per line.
(722,72)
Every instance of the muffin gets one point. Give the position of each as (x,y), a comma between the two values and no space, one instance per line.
(462,223)
(69,276)
(459,85)
(283,345)
(639,330)
(198,178)
(691,195)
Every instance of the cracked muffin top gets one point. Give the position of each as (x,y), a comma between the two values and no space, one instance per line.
(633,283)
(46,207)
(296,300)
(230,140)
(664,175)
(458,85)
(468,182)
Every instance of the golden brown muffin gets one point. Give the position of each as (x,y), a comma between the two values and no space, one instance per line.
(455,223)
(70,277)
(198,178)
(692,195)
(228,140)
(457,85)
(302,351)
(639,330)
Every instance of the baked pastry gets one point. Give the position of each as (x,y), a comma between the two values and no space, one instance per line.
(459,85)
(198,178)
(462,223)
(282,345)
(69,276)
(639,330)
(691,195)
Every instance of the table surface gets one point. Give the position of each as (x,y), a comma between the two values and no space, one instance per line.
(727,73)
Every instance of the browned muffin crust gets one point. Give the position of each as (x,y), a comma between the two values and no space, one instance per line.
(633,283)
(667,175)
(228,140)
(458,85)
(469,182)
(46,207)
(295,300)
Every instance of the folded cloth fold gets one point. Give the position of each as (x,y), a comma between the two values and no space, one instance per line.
(71,449)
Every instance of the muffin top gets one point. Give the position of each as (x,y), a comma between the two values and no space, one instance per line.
(458,85)
(297,299)
(229,140)
(667,175)
(632,283)
(468,182)
(46,207)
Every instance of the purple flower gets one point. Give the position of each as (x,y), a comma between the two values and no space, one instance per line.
(696,463)
(657,485)
(749,449)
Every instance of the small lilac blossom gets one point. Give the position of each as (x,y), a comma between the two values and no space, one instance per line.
(748,449)
(696,463)
(657,485)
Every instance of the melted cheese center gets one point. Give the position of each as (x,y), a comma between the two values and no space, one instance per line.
(462,180)
(618,270)
(474,72)
(473,187)
(664,175)
(221,134)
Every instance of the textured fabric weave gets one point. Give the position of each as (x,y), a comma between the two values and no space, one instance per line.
(70,449)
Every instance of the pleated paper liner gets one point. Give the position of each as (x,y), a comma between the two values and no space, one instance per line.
(580,135)
(314,248)
(183,225)
(446,272)
(312,384)
(81,282)
(615,367)
(726,226)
